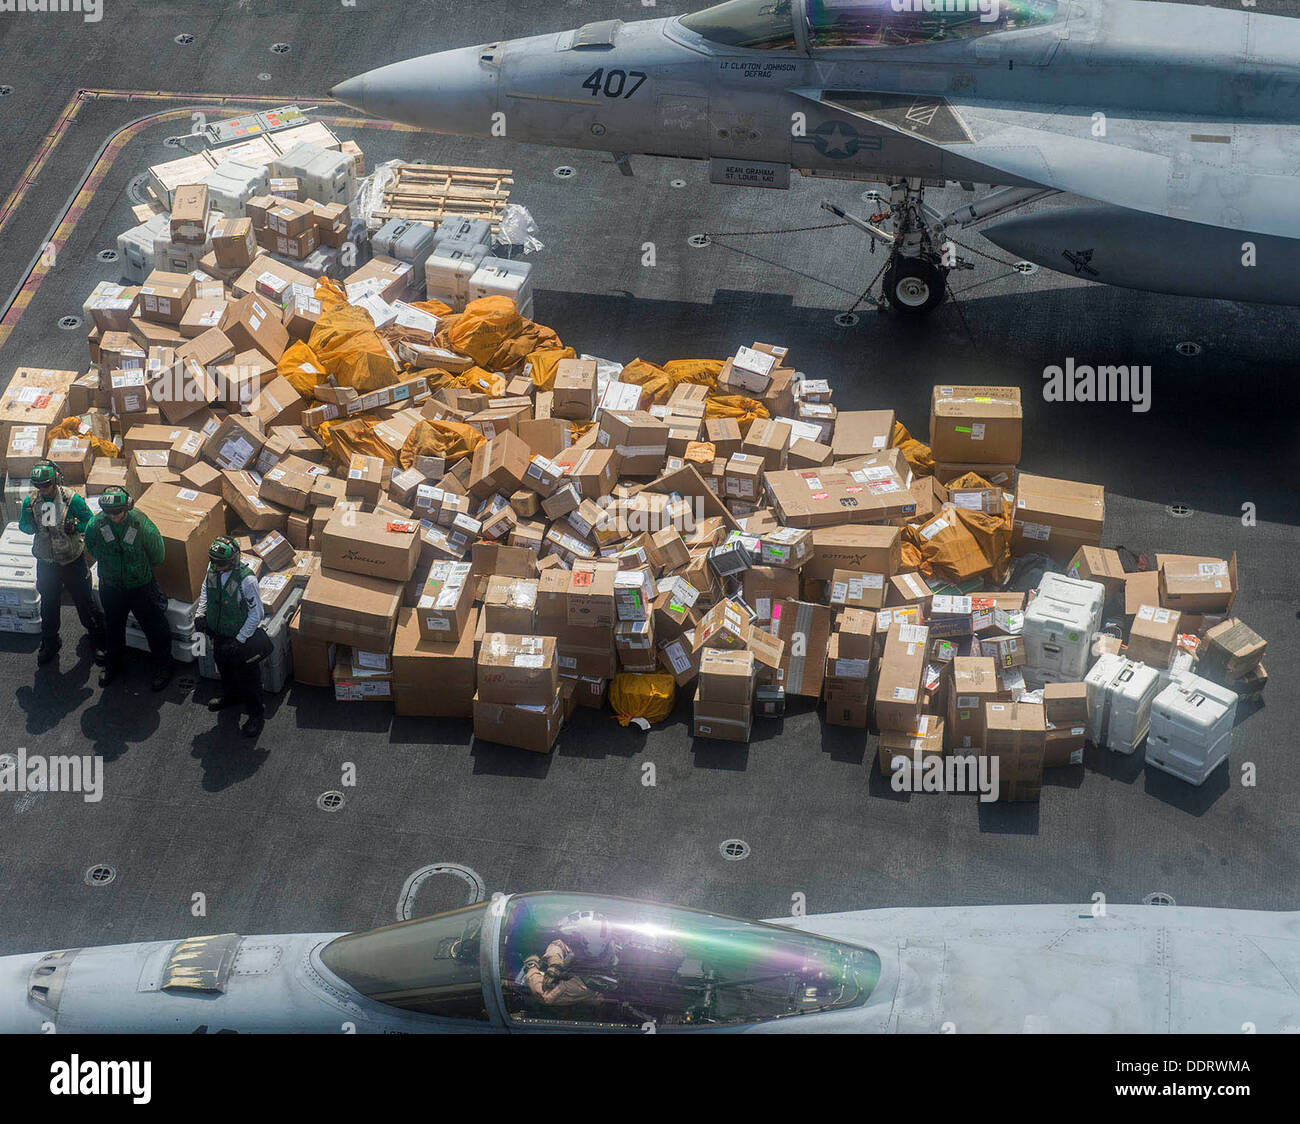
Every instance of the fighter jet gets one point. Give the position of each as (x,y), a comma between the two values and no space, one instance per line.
(1177,124)
(543,962)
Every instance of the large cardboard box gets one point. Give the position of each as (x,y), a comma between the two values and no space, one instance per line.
(861,549)
(1056,517)
(35,396)
(1016,734)
(1095,564)
(432,679)
(824,497)
(499,465)
(639,438)
(1198,585)
(805,629)
(979,424)
(26,446)
(532,726)
(373,544)
(188,521)
(350,609)
(898,687)
(914,748)
(313,660)
(861,431)
(726,677)
(518,670)
(974,682)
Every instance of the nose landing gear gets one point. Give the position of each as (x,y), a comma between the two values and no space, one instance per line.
(914,285)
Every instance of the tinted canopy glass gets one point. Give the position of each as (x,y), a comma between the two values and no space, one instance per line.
(429,965)
(758,25)
(900,23)
(622,963)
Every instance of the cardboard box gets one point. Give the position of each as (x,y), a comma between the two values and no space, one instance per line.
(1065,704)
(826,497)
(278,403)
(26,446)
(510,604)
(974,682)
(534,727)
(1016,734)
(979,424)
(518,670)
(433,679)
(189,216)
(589,595)
(1230,650)
(1056,517)
(898,687)
(725,677)
(164,297)
(805,629)
(724,626)
(500,464)
(854,589)
(861,431)
(768,439)
(1198,585)
(869,549)
(375,545)
(350,609)
(731,722)
(234,443)
(638,438)
(354,682)
(445,607)
(313,660)
(1154,635)
(252,323)
(1094,564)
(233,243)
(188,521)
(846,677)
(912,750)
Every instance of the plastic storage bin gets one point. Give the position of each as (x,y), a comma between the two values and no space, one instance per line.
(1120,693)
(477,232)
(1058,629)
(497,277)
(232,183)
(406,241)
(322,174)
(137,248)
(1191,728)
(20,604)
(448,270)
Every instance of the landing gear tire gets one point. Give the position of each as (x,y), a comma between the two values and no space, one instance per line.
(914,286)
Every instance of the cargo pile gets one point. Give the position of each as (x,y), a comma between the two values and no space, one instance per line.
(451,512)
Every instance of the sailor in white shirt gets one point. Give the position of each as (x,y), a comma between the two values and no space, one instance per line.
(229,612)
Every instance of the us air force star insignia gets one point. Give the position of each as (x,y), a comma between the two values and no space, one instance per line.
(836,140)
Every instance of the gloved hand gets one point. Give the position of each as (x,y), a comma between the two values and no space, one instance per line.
(70,525)
(201,626)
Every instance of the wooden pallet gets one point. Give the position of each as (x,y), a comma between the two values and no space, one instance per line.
(433,192)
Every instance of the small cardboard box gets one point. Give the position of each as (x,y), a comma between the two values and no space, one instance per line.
(898,750)
(26,446)
(372,544)
(974,682)
(446,604)
(533,727)
(164,297)
(805,629)
(1230,650)
(852,589)
(518,670)
(1095,564)
(1198,585)
(189,216)
(902,667)
(510,604)
(1154,635)
(726,677)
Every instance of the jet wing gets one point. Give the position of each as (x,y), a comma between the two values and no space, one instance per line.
(1222,173)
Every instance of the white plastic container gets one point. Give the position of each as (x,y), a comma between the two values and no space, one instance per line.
(499,277)
(1191,728)
(1120,693)
(405,241)
(233,183)
(475,231)
(448,270)
(20,604)
(1059,625)
(323,175)
(137,248)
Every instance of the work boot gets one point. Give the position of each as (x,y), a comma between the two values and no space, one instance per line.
(162,677)
(223,701)
(252,726)
(48,650)
(111,671)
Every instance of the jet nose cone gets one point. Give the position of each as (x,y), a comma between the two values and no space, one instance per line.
(449,92)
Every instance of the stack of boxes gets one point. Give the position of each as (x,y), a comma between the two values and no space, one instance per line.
(598,522)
